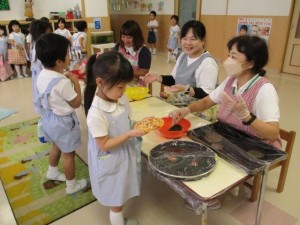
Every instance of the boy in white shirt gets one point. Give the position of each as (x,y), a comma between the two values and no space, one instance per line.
(152,32)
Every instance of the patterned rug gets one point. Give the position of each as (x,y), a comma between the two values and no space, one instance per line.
(6,113)
(23,165)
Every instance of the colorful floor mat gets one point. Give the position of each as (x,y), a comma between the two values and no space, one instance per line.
(23,165)
(6,113)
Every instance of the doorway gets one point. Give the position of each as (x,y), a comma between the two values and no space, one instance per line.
(188,11)
(291,61)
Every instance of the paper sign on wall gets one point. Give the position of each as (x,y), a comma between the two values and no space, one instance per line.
(97,23)
(255,26)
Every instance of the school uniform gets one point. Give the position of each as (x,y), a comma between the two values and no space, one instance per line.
(114,174)
(59,119)
(5,69)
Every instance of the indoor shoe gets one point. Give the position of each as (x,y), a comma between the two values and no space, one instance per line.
(26,75)
(130,222)
(20,76)
(216,204)
(57,176)
(79,185)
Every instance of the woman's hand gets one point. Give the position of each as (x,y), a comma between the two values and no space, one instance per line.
(150,78)
(176,88)
(178,114)
(238,107)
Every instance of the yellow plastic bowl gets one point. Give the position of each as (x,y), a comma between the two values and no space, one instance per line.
(136,93)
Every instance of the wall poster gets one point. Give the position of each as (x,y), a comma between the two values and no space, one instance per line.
(255,26)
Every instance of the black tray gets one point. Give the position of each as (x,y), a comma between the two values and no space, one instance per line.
(185,160)
(249,153)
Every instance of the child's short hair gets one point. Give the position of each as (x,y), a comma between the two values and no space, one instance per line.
(45,19)
(50,48)
(81,25)
(13,22)
(3,28)
(175,17)
(61,20)
(153,13)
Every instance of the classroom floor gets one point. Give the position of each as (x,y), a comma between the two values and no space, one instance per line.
(158,204)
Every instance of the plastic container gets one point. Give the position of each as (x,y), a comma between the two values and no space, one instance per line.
(167,133)
(136,93)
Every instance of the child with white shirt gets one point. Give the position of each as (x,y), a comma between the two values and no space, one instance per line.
(5,68)
(17,41)
(152,32)
(174,38)
(114,162)
(62,30)
(59,96)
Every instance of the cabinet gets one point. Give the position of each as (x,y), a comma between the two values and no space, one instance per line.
(102,37)
(70,25)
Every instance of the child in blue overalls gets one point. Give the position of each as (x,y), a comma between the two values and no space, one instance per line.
(114,160)
(59,96)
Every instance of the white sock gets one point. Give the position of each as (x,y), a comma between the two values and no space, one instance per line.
(116,218)
(24,69)
(154,50)
(18,69)
(71,183)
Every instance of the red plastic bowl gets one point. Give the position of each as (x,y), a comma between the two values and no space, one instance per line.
(80,76)
(165,132)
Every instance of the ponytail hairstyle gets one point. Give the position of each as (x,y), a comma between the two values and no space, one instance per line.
(112,67)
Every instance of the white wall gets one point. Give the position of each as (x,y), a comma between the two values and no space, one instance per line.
(168,8)
(246,7)
(40,8)
(95,8)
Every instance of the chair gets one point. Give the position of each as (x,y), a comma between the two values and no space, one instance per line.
(289,138)
(101,47)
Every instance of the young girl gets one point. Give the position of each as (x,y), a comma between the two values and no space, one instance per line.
(59,96)
(5,69)
(17,40)
(174,38)
(79,43)
(112,155)
(61,30)
(37,29)
(152,32)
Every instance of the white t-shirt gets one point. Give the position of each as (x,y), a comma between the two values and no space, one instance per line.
(206,74)
(266,103)
(65,32)
(153,23)
(76,38)
(62,92)
(97,121)
(174,31)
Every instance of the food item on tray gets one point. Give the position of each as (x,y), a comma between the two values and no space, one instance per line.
(172,158)
(164,95)
(176,127)
(213,137)
(149,124)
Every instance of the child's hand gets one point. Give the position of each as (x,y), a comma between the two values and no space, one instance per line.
(136,133)
(72,78)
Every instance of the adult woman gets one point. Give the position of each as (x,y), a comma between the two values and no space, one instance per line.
(195,70)
(132,47)
(249,102)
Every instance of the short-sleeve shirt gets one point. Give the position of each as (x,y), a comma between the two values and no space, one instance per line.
(97,121)
(65,32)
(266,103)
(144,60)
(61,94)
(153,23)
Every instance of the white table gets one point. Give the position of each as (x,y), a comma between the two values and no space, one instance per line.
(206,189)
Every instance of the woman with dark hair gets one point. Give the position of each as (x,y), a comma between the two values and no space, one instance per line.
(248,101)
(132,47)
(195,71)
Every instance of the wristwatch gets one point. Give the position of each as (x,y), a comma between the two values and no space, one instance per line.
(248,123)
